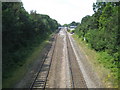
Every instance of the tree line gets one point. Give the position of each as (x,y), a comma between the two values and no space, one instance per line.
(71,24)
(101,31)
(21,32)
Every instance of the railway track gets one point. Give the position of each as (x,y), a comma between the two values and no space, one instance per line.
(41,77)
(76,74)
(77,79)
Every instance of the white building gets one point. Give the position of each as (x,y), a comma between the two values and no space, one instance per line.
(72,27)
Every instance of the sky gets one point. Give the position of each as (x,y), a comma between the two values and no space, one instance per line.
(64,11)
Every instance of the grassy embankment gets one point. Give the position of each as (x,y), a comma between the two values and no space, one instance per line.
(20,71)
(101,64)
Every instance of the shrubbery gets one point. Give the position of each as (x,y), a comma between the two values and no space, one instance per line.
(102,33)
(21,33)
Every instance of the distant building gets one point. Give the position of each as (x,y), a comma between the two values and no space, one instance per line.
(72,27)
(61,27)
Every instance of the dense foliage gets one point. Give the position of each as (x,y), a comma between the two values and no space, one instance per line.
(101,31)
(21,32)
(71,24)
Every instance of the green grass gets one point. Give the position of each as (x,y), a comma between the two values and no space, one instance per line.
(21,70)
(101,62)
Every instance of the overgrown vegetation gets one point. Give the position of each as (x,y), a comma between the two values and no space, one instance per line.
(102,34)
(21,33)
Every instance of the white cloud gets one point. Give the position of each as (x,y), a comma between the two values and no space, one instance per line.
(64,11)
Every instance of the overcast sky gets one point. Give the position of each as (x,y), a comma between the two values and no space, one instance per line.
(64,11)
